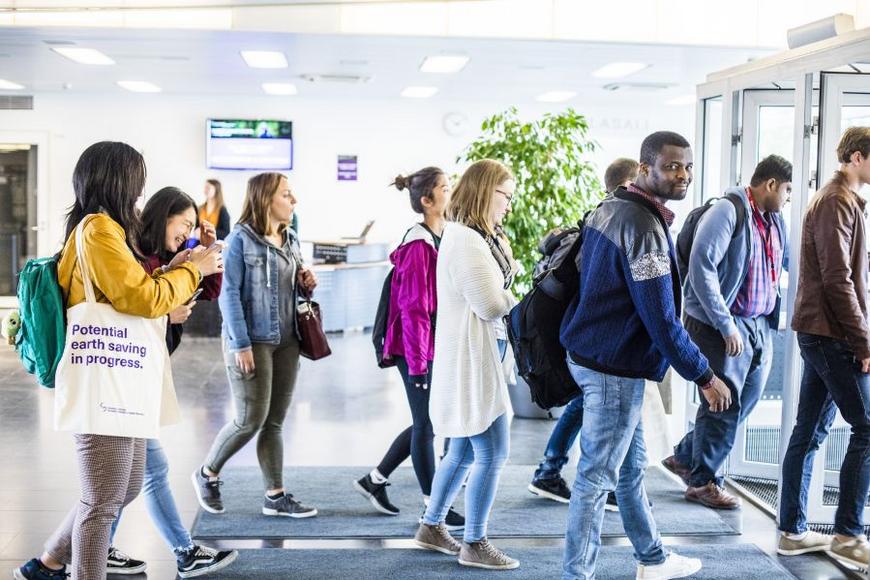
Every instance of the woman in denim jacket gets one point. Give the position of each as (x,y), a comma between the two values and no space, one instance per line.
(263,275)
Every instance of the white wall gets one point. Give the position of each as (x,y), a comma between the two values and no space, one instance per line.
(388,136)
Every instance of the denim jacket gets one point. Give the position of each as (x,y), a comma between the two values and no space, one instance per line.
(249,297)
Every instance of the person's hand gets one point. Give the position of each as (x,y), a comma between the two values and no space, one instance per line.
(419,381)
(208,260)
(180,258)
(181,314)
(865,365)
(734,344)
(245,361)
(718,395)
(307,280)
(207,234)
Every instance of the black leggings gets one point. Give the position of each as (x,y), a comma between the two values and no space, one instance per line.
(416,440)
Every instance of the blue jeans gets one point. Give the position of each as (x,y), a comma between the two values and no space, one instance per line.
(485,454)
(159,501)
(561,440)
(612,458)
(832,379)
(707,446)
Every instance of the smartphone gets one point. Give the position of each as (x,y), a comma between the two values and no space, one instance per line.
(191,243)
(195,295)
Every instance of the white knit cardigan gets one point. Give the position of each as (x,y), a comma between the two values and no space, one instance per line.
(469,391)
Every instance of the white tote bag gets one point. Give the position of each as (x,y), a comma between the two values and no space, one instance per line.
(114,377)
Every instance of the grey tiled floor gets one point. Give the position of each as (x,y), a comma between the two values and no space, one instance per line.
(345,412)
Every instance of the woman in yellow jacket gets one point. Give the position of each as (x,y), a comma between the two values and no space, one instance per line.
(108,179)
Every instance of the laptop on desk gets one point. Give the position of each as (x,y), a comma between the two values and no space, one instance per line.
(360,239)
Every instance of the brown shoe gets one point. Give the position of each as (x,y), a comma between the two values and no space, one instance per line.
(437,538)
(682,471)
(712,496)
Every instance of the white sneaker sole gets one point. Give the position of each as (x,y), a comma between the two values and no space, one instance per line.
(847,560)
(298,516)
(194,479)
(511,566)
(687,571)
(126,571)
(372,500)
(435,548)
(17,575)
(799,551)
(546,495)
(219,566)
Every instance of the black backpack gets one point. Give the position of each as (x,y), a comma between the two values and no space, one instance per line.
(533,324)
(686,237)
(379,328)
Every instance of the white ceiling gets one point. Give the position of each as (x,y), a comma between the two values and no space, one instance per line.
(200,62)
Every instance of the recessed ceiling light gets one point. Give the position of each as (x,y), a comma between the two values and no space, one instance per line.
(9,85)
(264,59)
(279,88)
(556,96)
(444,64)
(84,55)
(682,100)
(139,86)
(419,92)
(619,69)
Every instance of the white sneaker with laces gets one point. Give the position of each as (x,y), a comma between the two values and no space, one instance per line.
(675,566)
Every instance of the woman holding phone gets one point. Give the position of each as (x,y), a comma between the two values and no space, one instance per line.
(263,278)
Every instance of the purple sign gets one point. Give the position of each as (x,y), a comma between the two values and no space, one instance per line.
(347,167)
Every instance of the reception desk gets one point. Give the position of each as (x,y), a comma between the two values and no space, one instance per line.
(348,294)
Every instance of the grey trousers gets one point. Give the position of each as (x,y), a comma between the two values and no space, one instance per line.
(111,470)
(261,400)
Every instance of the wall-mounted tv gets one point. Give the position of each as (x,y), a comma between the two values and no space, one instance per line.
(249,144)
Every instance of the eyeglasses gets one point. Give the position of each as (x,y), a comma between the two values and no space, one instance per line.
(508,196)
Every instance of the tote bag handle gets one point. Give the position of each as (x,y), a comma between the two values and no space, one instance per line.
(81,258)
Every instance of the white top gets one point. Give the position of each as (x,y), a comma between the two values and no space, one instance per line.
(469,391)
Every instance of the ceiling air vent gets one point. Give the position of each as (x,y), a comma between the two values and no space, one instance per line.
(344,79)
(16,102)
(638,86)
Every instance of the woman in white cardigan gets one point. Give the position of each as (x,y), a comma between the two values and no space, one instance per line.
(469,395)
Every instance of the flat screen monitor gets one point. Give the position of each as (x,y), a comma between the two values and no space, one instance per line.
(249,144)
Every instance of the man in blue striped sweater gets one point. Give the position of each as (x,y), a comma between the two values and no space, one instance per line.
(624,328)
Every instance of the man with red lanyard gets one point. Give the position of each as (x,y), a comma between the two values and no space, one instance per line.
(732,309)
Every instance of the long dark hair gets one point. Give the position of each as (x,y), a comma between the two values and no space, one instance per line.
(164,204)
(419,185)
(109,176)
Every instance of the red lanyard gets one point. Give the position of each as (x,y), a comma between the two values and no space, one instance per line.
(766,234)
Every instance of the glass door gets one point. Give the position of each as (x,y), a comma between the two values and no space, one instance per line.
(18,211)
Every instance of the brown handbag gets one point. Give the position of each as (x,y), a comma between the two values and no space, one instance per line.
(314,345)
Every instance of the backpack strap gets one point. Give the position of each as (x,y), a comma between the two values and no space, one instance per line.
(741,212)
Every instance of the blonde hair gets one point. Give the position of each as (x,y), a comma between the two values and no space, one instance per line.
(258,201)
(472,198)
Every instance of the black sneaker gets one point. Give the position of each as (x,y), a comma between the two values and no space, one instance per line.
(286,506)
(454,520)
(554,489)
(208,492)
(120,563)
(200,560)
(36,570)
(376,493)
(611,505)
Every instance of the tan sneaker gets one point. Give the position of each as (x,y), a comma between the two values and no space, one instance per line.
(855,551)
(812,542)
(437,538)
(482,554)
(713,496)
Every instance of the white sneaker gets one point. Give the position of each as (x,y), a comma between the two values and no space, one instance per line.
(675,566)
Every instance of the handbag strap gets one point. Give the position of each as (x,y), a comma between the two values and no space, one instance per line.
(81,255)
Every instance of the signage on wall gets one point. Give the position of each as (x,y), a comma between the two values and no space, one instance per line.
(347,168)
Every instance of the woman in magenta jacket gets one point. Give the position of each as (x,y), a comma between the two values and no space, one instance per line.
(410,338)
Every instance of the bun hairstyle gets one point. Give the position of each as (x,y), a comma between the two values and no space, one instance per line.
(419,185)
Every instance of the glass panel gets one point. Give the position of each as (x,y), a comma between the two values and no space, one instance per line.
(855,116)
(712,147)
(17,212)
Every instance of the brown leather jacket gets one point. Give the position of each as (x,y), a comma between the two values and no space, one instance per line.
(832,287)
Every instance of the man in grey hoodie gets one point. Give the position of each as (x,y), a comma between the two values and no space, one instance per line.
(732,310)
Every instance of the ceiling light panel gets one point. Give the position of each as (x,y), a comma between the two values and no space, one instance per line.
(9,86)
(279,88)
(616,70)
(139,86)
(264,59)
(556,96)
(419,92)
(444,64)
(84,55)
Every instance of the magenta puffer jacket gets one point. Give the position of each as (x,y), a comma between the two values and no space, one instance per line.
(413,301)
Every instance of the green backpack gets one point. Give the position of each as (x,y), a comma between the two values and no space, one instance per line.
(42,335)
